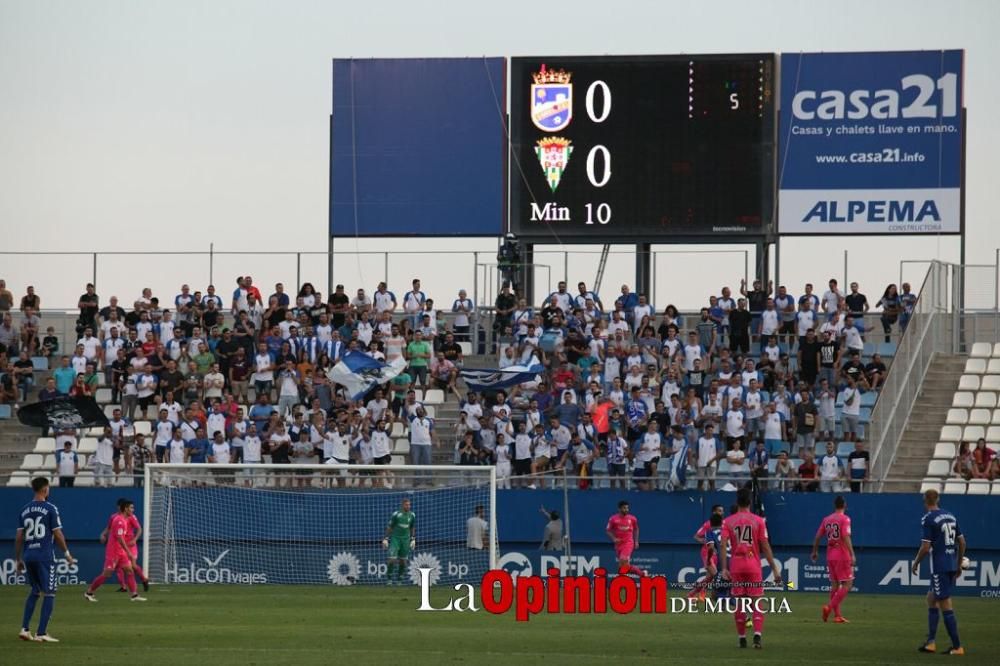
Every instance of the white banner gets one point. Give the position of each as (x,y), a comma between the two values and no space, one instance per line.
(882,211)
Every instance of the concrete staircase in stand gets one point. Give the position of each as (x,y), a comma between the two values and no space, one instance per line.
(916,447)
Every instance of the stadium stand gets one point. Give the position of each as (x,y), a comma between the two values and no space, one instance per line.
(577,339)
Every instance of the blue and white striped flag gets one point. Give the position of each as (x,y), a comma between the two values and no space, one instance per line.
(494,380)
(359,372)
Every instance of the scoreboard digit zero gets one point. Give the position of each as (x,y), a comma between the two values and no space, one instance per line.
(642,148)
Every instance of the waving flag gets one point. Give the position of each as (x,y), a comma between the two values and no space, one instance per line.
(63,412)
(359,373)
(494,380)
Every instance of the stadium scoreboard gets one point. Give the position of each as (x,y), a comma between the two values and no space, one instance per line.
(642,148)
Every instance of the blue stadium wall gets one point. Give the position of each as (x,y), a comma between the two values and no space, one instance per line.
(886,536)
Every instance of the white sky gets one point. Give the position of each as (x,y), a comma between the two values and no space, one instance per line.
(169,125)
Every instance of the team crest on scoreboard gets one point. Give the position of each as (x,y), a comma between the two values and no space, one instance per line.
(553,154)
(551,99)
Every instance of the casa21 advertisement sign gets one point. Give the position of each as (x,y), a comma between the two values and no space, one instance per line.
(871,143)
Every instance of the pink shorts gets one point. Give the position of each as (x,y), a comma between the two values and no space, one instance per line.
(747,579)
(840,570)
(114,560)
(704,557)
(624,551)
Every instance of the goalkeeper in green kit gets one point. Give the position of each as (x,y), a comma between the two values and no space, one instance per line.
(400,538)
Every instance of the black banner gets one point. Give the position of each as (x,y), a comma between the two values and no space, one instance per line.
(63,412)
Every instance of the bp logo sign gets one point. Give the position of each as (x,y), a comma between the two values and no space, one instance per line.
(343,569)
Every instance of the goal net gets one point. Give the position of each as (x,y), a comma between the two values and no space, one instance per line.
(317,524)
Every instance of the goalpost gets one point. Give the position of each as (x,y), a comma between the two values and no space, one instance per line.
(313,524)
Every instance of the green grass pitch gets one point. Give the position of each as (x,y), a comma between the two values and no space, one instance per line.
(208,625)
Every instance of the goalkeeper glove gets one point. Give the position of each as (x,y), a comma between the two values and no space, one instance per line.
(413,544)
(385,543)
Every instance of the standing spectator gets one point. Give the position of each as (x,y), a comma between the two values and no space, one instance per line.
(504,307)
(857,303)
(422,437)
(463,307)
(88,305)
(104,459)
(907,304)
(739,327)
(783,471)
(24,374)
(383,300)
(805,423)
(832,298)
(64,375)
(809,356)
(339,305)
(67,465)
(759,460)
(30,301)
(785,304)
(139,455)
(288,388)
(757,298)
(30,325)
(807,473)
(708,457)
(10,335)
(829,358)
(891,306)
(418,354)
(413,303)
(830,471)
(858,464)
(851,412)
(6,297)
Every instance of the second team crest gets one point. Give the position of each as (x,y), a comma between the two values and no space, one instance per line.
(551,99)
(553,154)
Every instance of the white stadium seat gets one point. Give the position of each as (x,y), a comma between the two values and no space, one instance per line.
(87,445)
(979,487)
(996,350)
(109,410)
(44,445)
(944,450)
(969,383)
(32,461)
(996,488)
(954,487)
(939,468)
(50,461)
(103,395)
(964,399)
(434,397)
(19,480)
(418,394)
(402,447)
(986,399)
(990,383)
(398,460)
(979,416)
(397,429)
(994,366)
(993,434)
(145,427)
(981,350)
(975,366)
(973,432)
(930,484)
(950,433)
(996,417)
(466,348)
(430,411)
(957,417)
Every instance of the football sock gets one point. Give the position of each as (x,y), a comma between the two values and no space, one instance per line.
(29,609)
(96,583)
(950,623)
(390,570)
(634,569)
(758,621)
(121,577)
(47,604)
(741,623)
(138,572)
(932,624)
(130,582)
(838,599)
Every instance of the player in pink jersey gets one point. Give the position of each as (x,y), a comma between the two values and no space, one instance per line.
(132,539)
(698,590)
(623,530)
(839,557)
(744,536)
(117,553)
